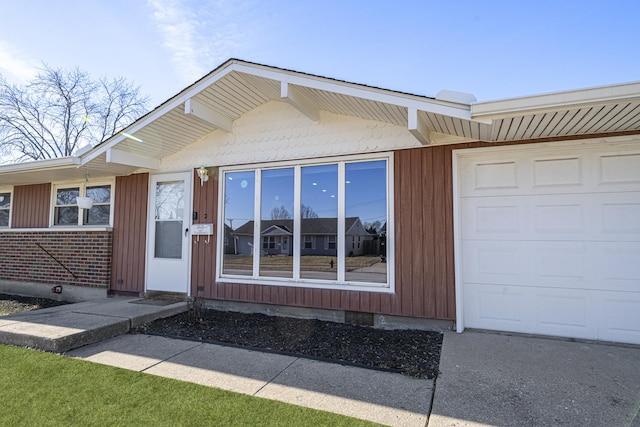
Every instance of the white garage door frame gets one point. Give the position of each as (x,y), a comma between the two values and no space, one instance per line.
(623,143)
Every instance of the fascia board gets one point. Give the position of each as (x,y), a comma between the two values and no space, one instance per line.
(351,89)
(62,162)
(555,101)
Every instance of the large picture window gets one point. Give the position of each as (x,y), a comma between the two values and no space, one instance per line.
(322,225)
(66,211)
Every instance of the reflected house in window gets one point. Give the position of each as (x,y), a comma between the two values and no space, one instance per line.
(319,237)
(229,246)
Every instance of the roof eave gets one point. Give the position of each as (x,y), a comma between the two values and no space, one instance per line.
(555,101)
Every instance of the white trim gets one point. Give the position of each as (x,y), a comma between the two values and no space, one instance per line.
(56,229)
(453,109)
(457,243)
(62,162)
(121,157)
(555,101)
(10,191)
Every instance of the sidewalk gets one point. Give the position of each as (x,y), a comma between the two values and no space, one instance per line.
(382,397)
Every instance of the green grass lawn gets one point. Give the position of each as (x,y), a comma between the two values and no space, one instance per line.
(42,389)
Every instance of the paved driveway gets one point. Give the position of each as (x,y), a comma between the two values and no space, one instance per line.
(502,380)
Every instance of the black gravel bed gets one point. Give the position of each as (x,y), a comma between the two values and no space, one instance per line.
(10,304)
(410,352)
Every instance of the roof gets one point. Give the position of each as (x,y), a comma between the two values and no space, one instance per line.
(313,226)
(237,87)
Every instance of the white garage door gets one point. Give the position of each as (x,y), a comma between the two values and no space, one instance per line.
(550,240)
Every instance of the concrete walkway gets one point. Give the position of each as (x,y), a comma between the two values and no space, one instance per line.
(62,328)
(382,397)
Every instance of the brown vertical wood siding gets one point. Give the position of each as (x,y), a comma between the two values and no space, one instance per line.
(424,260)
(129,233)
(31,206)
(203,255)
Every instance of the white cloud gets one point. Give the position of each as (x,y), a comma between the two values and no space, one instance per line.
(199,35)
(14,66)
(178,27)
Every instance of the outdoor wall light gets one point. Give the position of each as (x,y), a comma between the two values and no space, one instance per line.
(203,174)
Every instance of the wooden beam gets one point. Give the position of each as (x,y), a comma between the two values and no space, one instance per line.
(198,109)
(300,102)
(417,127)
(130,159)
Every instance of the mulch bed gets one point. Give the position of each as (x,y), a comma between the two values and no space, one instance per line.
(10,304)
(410,352)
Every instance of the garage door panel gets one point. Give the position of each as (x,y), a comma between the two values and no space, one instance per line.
(495,262)
(559,172)
(620,170)
(495,307)
(619,267)
(619,216)
(550,240)
(621,317)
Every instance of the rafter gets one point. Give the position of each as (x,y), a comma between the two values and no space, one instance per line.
(300,102)
(130,159)
(198,109)
(417,127)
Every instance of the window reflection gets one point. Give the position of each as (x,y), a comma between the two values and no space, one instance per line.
(169,211)
(66,210)
(365,222)
(5,206)
(276,223)
(319,222)
(239,202)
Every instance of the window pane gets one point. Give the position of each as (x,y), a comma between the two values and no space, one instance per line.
(239,195)
(168,239)
(169,210)
(365,222)
(5,205)
(97,215)
(319,222)
(66,215)
(100,194)
(5,200)
(276,222)
(169,200)
(67,196)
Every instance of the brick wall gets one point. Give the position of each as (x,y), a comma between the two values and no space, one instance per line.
(86,255)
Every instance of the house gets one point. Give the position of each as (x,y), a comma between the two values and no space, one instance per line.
(318,236)
(518,215)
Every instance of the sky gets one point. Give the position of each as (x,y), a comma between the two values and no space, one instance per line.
(491,49)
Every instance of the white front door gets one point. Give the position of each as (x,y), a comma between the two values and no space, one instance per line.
(168,230)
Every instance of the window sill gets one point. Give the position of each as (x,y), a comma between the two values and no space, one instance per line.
(384,288)
(55,229)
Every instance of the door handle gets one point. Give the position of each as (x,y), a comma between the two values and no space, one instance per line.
(186,231)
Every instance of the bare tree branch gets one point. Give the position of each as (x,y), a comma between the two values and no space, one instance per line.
(61,110)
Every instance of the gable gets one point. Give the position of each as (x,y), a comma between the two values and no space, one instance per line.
(276,131)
